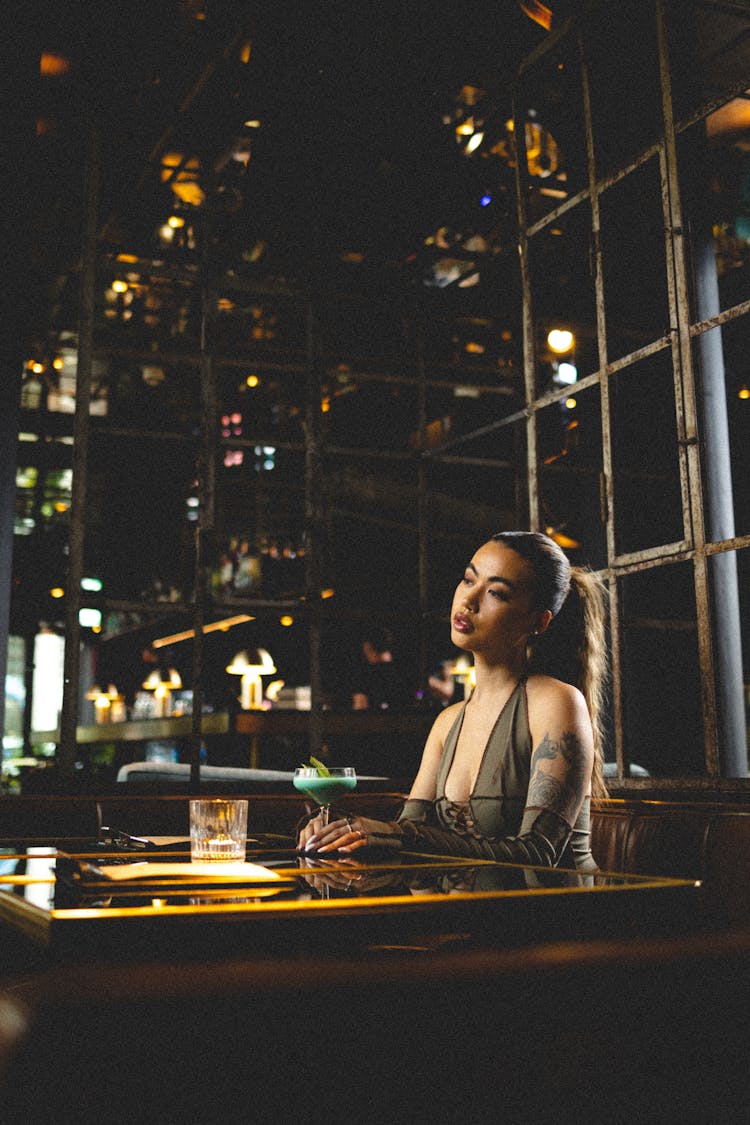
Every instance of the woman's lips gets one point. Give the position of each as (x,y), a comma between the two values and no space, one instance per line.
(462,624)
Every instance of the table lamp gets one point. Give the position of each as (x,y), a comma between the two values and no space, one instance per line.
(162,682)
(251,664)
(102,699)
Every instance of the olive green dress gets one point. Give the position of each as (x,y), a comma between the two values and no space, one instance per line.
(494,821)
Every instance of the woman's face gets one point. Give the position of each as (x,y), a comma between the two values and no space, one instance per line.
(493,611)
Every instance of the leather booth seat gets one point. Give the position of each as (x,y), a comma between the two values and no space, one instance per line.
(710,842)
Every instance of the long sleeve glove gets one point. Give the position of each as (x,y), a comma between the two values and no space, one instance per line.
(541,841)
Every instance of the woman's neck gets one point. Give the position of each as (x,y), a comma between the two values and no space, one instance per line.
(496,679)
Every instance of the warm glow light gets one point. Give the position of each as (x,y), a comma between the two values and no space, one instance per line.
(560,340)
(474,142)
(286,620)
(57,592)
(176,222)
(58,363)
(120,286)
(182,177)
(251,665)
(537,12)
(570,403)
(222,626)
(37,368)
(327,593)
(245,51)
(252,381)
(563,541)
(744,392)
(52,66)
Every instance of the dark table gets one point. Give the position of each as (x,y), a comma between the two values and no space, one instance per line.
(65,899)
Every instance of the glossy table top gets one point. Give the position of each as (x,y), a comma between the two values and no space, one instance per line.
(77,899)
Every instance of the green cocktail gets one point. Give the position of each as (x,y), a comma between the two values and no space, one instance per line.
(325,788)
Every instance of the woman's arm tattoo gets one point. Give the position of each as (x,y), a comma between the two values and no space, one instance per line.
(562,796)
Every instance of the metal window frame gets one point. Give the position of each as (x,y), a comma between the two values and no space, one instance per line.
(694,546)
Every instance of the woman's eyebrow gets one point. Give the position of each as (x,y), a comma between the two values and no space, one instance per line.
(494,578)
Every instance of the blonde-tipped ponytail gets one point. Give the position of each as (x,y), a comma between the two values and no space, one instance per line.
(592,656)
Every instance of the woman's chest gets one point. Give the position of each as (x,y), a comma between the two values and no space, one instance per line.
(468,755)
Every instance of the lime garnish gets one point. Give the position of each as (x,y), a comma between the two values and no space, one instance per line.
(323,770)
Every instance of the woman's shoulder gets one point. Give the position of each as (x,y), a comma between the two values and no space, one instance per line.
(546,691)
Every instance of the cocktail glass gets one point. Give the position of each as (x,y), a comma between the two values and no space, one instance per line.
(324,789)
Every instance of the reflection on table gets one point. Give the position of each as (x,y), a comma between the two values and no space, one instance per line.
(76,904)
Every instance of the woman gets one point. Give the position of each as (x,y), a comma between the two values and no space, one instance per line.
(508,774)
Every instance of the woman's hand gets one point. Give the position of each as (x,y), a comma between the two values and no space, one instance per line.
(348,877)
(350,834)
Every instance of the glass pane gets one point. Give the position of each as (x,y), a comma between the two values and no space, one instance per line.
(153,394)
(662,713)
(260,523)
(373,415)
(622,124)
(259,326)
(634,262)
(708,51)
(570,456)
(259,403)
(647,491)
(468,501)
(463,410)
(729,575)
(139,538)
(143,304)
(562,292)
(714,165)
(371,524)
(550,97)
(724,403)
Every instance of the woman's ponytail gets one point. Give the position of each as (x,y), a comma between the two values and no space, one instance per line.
(592,657)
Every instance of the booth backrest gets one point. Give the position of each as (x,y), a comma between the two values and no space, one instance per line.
(709,842)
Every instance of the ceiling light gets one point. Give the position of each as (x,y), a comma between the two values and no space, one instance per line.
(566,374)
(53,66)
(560,340)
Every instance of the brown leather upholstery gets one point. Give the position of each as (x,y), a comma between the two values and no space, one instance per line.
(679,840)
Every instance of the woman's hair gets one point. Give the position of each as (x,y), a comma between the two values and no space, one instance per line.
(553,578)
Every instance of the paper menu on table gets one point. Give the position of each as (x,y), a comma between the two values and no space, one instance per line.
(190,872)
